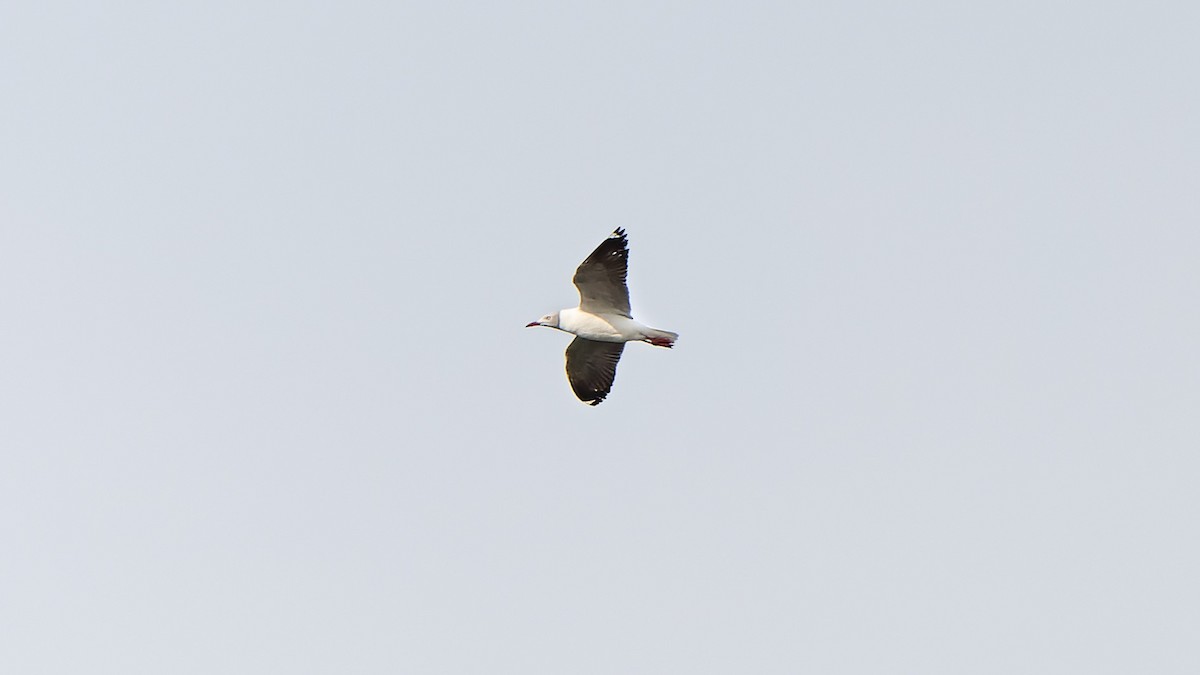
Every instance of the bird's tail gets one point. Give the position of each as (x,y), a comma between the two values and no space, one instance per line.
(660,338)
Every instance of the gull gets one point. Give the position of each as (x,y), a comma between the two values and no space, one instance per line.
(602,323)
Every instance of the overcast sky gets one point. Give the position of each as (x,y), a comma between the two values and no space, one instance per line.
(268,405)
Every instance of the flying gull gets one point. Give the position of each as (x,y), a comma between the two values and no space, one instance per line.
(602,323)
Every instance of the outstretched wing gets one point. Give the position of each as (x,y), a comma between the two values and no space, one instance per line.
(601,278)
(592,367)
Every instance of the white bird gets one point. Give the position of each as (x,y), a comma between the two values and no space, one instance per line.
(602,323)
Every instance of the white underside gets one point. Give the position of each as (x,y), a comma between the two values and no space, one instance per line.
(602,327)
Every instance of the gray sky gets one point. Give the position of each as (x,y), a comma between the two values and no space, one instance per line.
(267,404)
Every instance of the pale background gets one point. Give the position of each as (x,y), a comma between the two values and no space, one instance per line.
(267,404)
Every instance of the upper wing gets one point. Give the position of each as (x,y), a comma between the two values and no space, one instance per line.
(592,367)
(601,278)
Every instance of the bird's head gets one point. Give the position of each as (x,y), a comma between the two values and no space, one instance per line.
(550,320)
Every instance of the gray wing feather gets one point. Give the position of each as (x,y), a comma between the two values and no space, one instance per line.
(592,367)
(601,278)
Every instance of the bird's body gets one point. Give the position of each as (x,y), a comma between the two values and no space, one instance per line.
(603,327)
(602,323)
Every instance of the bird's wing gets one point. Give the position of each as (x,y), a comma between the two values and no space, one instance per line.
(601,278)
(592,367)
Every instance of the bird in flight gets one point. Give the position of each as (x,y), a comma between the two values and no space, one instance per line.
(602,323)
